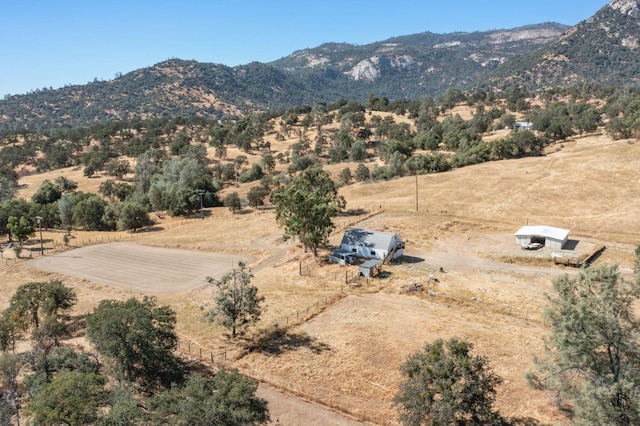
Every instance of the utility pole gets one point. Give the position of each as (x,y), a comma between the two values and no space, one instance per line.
(39,219)
(416,191)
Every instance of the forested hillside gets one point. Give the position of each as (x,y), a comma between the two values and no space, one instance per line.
(178,165)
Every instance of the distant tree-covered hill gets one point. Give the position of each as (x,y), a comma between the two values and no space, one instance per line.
(602,50)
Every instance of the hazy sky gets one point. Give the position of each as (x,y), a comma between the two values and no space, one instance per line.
(47,43)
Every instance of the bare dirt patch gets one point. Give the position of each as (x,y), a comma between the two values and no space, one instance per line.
(148,270)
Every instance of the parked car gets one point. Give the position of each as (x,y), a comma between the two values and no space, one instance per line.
(342,258)
(533,246)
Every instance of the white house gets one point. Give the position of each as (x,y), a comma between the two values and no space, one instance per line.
(550,236)
(523,125)
(372,244)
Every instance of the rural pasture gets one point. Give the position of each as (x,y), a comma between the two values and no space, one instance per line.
(345,356)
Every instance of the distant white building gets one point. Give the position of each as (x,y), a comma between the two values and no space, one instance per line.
(549,236)
(523,125)
(372,244)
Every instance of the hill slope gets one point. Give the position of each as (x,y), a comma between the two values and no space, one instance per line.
(601,50)
(402,67)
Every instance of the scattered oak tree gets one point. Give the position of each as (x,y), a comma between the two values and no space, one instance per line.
(237,301)
(592,358)
(133,216)
(71,398)
(446,385)
(139,337)
(232,202)
(228,399)
(256,195)
(20,228)
(305,207)
(40,307)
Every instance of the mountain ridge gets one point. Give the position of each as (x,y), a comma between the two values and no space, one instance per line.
(601,50)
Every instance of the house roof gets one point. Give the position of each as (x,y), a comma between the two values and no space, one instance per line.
(368,238)
(543,231)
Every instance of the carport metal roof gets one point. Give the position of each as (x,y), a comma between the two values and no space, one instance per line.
(543,231)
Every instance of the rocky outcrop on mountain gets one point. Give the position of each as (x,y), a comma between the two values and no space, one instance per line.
(601,50)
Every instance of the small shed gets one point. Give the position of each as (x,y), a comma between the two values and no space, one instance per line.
(372,244)
(369,269)
(550,236)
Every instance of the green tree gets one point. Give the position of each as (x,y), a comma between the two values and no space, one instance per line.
(10,391)
(305,207)
(42,306)
(446,385)
(237,303)
(47,193)
(65,208)
(227,400)
(345,175)
(25,304)
(268,163)
(125,409)
(71,398)
(592,358)
(88,212)
(232,202)
(358,150)
(66,185)
(8,189)
(118,167)
(147,164)
(362,172)
(139,337)
(256,195)
(20,228)
(10,330)
(254,173)
(133,216)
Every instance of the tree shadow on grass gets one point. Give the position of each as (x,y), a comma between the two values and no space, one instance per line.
(354,212)
(520,421)
(279,342)
(77,325)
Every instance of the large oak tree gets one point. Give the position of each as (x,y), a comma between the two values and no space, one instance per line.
(305,208)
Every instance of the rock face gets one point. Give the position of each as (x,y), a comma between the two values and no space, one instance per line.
(627,7)
(422,57)
(371,68)
(601,50)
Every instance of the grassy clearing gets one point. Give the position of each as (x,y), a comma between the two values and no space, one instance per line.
(347,355)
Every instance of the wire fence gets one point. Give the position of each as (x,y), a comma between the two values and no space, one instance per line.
(196,352)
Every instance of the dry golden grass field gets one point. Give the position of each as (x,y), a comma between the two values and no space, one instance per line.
(343,344)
